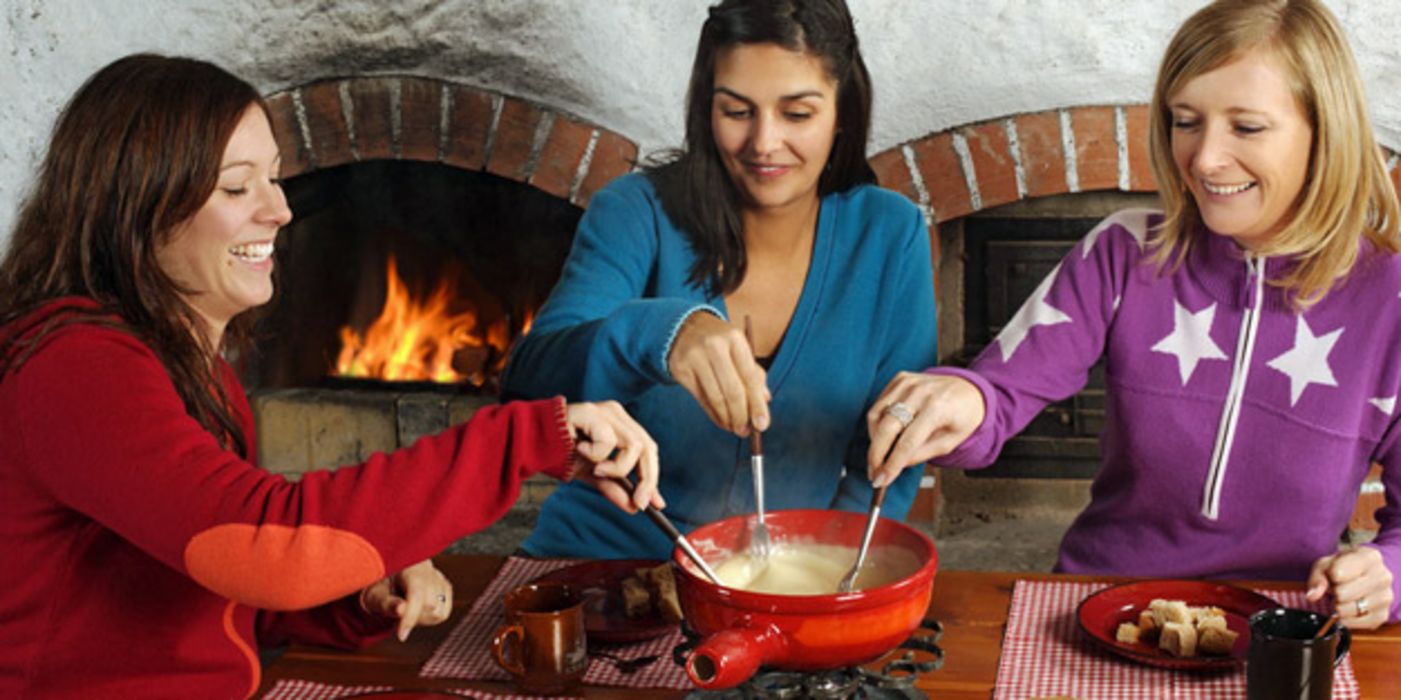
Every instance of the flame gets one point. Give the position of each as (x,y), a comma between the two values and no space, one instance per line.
(424,339)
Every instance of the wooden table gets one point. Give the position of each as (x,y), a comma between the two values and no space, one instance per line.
(972,605)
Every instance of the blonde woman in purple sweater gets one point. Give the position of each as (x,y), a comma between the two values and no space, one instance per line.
(1250,330)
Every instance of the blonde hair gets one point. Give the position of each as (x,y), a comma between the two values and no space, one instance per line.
(1347,193)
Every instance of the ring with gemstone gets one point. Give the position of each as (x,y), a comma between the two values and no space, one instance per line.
(1362,606)
(442,599)
(900,412)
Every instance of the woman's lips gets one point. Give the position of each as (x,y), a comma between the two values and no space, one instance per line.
(1221,190)
(766,171)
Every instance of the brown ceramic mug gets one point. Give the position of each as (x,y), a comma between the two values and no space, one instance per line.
(542,645)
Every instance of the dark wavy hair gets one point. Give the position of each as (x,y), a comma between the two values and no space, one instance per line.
(134,154)
(694,187)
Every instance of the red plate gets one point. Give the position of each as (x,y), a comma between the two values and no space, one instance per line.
(1100,614)
(605,617)
(408,695)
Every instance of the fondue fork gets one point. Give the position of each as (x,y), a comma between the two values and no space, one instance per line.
(848,582)
(662,522)
(759,535)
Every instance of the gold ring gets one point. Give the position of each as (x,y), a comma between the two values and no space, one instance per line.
(900,412)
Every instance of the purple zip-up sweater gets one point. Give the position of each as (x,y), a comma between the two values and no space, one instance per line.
(1237,431)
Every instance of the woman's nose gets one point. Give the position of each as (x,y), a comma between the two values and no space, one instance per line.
(1213,151)
(274,209)
(767,136)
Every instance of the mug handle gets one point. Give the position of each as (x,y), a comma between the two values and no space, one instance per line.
(1344,643)
(502,647)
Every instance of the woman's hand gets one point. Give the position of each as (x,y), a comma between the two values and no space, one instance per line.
(1360,583)
(713,361)
(917,418)
(418,595)
(609,443)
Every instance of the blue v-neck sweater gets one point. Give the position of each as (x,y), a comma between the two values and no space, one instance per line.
(866,312)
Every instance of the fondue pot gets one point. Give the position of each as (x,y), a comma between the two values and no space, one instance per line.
(743,630)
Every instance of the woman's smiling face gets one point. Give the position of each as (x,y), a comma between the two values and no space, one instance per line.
(222,256)
(774,119)
(1242,143)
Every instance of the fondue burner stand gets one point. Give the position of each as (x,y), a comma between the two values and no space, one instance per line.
(899,669)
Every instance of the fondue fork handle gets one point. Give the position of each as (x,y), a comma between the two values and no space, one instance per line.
(759,537)
(662,522)
(848,582)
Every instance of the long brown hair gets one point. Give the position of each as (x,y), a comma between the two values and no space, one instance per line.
(1347,194)
(692,183)
(135,153)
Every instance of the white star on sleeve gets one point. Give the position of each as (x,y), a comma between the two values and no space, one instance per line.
(1190,339)
(1035,312)
(1307,362)
(1385,404)
(1135,221)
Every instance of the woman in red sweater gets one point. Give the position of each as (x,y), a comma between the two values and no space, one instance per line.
(149,556)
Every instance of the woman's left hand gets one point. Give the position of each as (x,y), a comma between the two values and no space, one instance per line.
(418,595)
(1360,583)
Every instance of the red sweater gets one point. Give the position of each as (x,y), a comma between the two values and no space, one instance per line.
(144,560)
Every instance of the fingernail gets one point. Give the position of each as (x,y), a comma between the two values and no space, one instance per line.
(762,422)
(880,480)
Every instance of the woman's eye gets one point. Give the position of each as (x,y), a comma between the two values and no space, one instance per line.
(798,116)
(735,113)
(1249,129)
(1183,124)
(235,191)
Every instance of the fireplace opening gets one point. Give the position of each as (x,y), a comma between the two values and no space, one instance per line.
(408,276)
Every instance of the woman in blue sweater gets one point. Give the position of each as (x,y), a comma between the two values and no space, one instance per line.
(770,213)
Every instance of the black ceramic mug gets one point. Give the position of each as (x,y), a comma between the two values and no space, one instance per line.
(1286,661)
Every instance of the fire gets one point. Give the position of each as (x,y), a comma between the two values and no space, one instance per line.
(430,339)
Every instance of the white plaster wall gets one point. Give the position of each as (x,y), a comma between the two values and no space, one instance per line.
(624,63)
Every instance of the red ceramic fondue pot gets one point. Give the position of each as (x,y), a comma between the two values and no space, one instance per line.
(743,630)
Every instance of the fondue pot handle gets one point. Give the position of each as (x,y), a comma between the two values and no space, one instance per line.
(729,657)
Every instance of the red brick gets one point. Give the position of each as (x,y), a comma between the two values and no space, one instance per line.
(939,165)
(1364,513)
(1096,148)
(420,115)
(613,156)
(1140,165)
(1043,156)
(469,121)
(288,132)
(559,159)
(992,163)
(893,174)
(330,138)
(374,131)
(515,134)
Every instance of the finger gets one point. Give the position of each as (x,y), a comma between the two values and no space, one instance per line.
(754,382)
(412,610)
(1318,583)
(884,430)
(615,494)
(732,390)
(710,396)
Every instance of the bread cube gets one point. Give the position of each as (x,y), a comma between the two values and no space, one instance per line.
(1216,641)
(1178,639)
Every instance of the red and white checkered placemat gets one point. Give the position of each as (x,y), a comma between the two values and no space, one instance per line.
(466,653)
(311,690)
(1045,654)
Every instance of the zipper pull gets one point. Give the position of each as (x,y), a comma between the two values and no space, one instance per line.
(1252,271)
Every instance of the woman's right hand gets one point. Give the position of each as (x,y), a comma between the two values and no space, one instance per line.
(713,361)
(917,418)
(608,443)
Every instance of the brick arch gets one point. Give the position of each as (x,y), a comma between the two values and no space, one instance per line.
(344,120)
(969,168)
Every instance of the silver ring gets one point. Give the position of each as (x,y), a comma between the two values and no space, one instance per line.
(442,599)
(900,412)
(1362,606)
